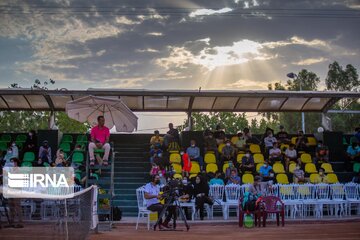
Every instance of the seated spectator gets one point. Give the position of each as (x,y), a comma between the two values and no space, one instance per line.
(240,144)
(44,154)
(353,155)
(321,153)
(291,156)
(301,142)
(258,188)
(186,163)
(298,175)
(155,153)
(173,145)
(275,154)
(227,153)
(247,163)
(322,178)
(247,135)
(194,153)
(60,158)
(217,179)
(100,136)
(201,194)
(266,172)
(156,140)
(234,178)
(14,149)
(31,142)
(211,145)
(282,136)
(206,133)
(269,141)
(186,194)
(219,135)
(12,152)
(154,169)
(229,169)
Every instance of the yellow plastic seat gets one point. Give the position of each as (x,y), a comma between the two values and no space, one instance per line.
(310,168)
(195,163)
(292,167)
(177,176)
(314,177)
(306,158)
(174,151)
(327,167)
(193,175)
(284,146)
(195,169)
(293,140)
(278,168)
(210,158)
(255,148)
(175,158)
(247,178)
(177,167)
(332,178)
(239,157)
(258,158)
(282,178)
(225,166)
(211,167)
(234,139)
(220,147)
(258,166)
(311,141)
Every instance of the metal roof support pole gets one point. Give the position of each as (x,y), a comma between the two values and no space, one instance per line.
(190,121)
(52,120)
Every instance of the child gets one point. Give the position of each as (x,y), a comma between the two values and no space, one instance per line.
(60,158)
(186,163)
(154,169)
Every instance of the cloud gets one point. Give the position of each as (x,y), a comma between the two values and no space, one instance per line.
(310,61)
(100,53)
(247,84)
(207,12)
(150,50)
(295,40)
(156,34)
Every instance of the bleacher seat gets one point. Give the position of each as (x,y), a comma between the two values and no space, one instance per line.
(65,146)
(306,158)
(78,157)
(225,166)
(310,168)
(29,157)
(327,167)
(284,146)
(247,178)
(356,167)
(177,176)
(239,157)
(81,139)
(67,139)
(293,140)
(177,167)
(292,167)
(258,158)
(195,163)
(311,141)
(211,167)
(21,138)
(314,177)
(255,148)
(5,138)
(234,139)
(278,168)
(26,164)
(282,178)
(195,169)
(332,178)
(210,158)
(220,147)
(175,158)
(3,146)
(258,166)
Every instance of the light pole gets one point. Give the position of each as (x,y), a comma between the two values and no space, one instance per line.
(294,76)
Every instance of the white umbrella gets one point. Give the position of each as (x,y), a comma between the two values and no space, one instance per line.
(115,112)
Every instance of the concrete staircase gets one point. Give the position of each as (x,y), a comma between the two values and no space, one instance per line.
(131,169)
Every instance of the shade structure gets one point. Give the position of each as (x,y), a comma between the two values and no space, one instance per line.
(116,113)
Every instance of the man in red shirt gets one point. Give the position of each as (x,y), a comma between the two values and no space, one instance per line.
(100,135)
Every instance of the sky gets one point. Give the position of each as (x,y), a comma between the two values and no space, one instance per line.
(133,44)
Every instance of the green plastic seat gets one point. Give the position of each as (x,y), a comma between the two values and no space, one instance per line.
(20,145)
(78,157)
(5,138)
(3,146)
(46,164)
(65,146)
(21,138)
(99,150)
(26,164)
(81,139)
(356,167)
(29,157)
(67,139)
(78,176)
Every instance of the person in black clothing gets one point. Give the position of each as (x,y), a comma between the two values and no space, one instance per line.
(301,142)
(247,163)
(173,132)
(186,194)
(31,142)
(201,193)
(282,136)
(219,135)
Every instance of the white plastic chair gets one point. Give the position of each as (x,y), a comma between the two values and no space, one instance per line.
(337,191)
(290,199)
(217,193)
(352,197)
(323,197)
(306,194)
(190,205)
(232,194)
(143,212)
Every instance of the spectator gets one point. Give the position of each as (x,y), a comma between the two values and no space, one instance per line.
(210,145)
(60,158)
(227,153)
(12,152)
(44,154)
(186,193)
(173,132)
(291,156)
(100,136)
(234,178)
(194,153)
(247,163)
(282,136)
(301,142)
(152,197)
(201,193)
(257,188)
(31,142)
(156,140)
(321,153)
(217,179)
(228,170)
(155,153)
(298,175)
(219,135)
(356,137)
(14,149)
(240,144)
(275,154)
(353,154)
(266,172)
(247,135)
(269,141)
(206,133)
(322,178)
(186,162)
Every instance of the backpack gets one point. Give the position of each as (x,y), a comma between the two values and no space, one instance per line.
(249,221)
(117,214)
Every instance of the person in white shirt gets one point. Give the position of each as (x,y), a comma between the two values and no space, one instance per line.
(275,154)
(291,156)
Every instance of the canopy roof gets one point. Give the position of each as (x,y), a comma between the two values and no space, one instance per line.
(178,100)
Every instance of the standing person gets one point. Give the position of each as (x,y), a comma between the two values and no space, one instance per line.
(248,136)
(282,136)
(30,143)
(171,135)
(201,193)
(15,204)
(44,154)
(322,153)
(194,153)
(301,142)
(219,135)
(211,145)
(186,163)
(152,197)
(100,136)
